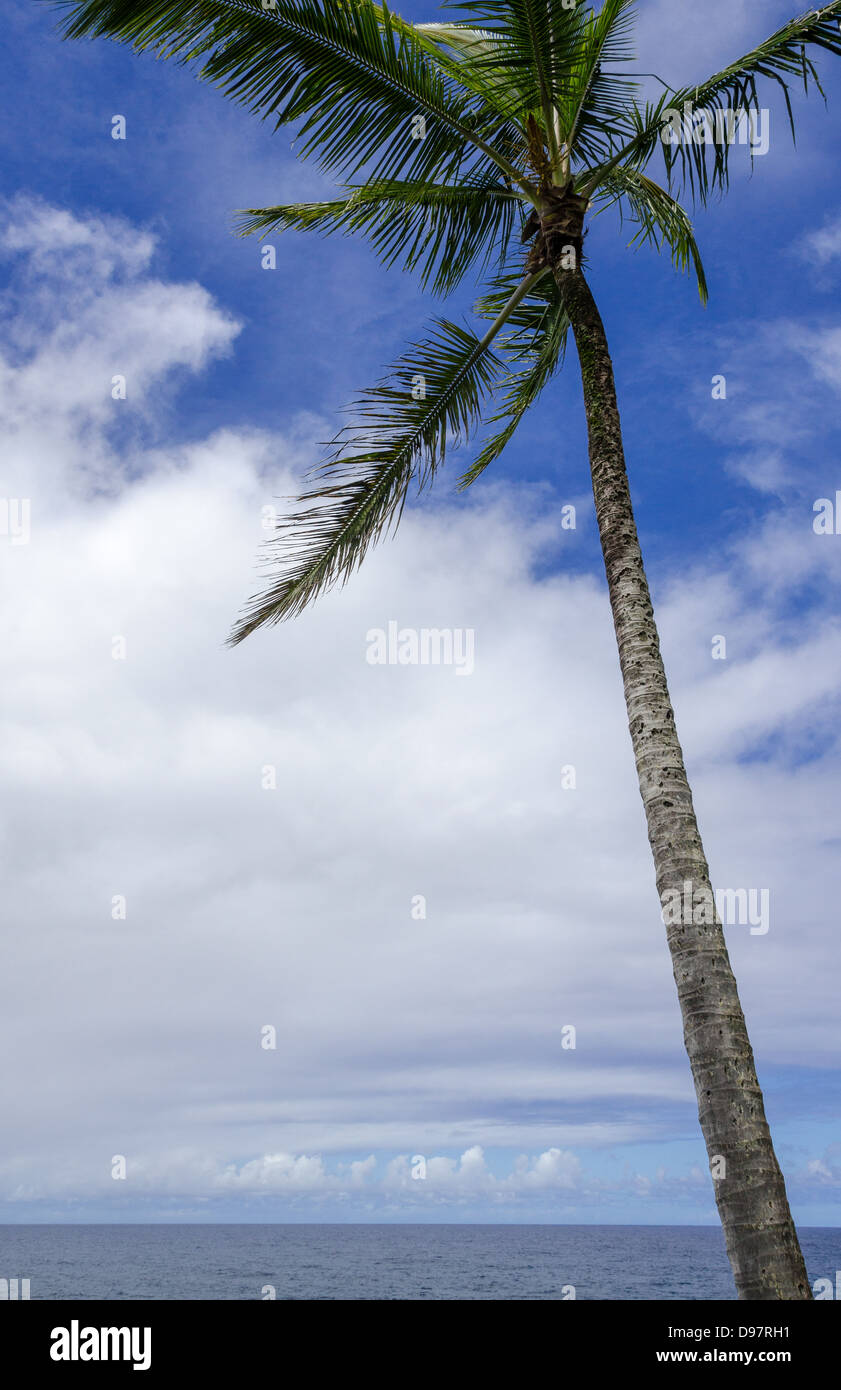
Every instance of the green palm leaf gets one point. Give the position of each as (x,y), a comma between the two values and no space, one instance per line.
(473,57)
(661,219)
(704,167)
(400,436)
(598,100)
(537,42)
(541,330)
(441,230)
(354,79)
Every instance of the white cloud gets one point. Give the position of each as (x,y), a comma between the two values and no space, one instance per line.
(84,251)
(818,1169)
(821,347)
(83,309)
(823,245)
(765,470)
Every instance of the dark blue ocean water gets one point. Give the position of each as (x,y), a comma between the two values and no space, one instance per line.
(382,1262)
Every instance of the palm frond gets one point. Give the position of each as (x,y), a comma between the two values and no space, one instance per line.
(660,217)
(343,69)
(472,57)
(496,298)
(704,165)
(432,399)
(535,43)
(441,230)
(599,99)
(541,330)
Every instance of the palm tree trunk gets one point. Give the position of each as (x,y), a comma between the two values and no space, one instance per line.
(750,1191)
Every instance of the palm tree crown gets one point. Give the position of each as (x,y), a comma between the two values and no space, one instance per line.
(456,142)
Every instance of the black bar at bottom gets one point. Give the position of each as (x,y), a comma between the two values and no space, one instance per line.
(410,1339)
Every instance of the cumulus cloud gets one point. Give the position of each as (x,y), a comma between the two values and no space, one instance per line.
(823,245)
(470,1175)
(763,469)
(95,344)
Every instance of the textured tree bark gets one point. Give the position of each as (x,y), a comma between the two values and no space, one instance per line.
(761,1240)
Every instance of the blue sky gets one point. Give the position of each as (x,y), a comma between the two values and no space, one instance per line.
(396,1037)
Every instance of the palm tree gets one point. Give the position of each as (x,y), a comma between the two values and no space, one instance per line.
(456,144)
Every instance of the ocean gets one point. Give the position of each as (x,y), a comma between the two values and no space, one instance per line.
(414,1262)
